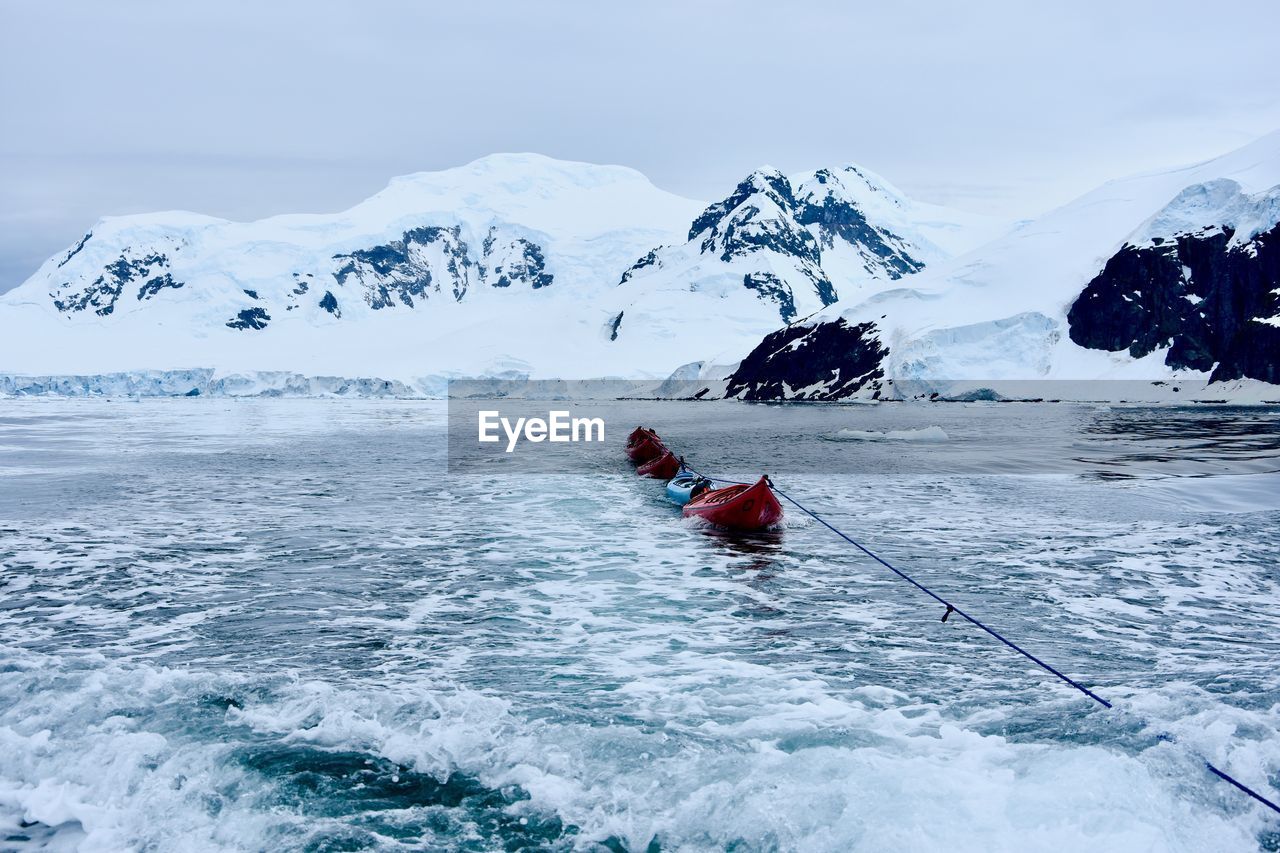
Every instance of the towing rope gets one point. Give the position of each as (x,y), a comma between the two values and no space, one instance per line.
(951,608)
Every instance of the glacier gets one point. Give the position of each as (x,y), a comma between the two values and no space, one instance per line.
(204,382)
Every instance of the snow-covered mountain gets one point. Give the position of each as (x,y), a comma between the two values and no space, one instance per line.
(819,285)
(1198,284)
(513,264)
(1169,275)
(777,249)
(467,269)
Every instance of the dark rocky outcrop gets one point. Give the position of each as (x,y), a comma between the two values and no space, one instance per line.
(775,234)
(153,286)
(1196,294)
(649,260)
(835,217)
(511,260)
(399,271)
(433,259)
(769,183)
(758,218)
(824,361)
(101,294)
(739,225)
(250,318)
(768,286)
(75,250)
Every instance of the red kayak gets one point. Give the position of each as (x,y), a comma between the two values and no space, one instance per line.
(740,507)
(647,449)
(664,467)
(639,433)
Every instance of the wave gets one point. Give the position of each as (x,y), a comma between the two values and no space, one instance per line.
(1227,493)
(227,762)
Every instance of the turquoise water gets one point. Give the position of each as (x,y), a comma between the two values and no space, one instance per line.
(285,625)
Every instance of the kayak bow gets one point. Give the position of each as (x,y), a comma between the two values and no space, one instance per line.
(741,507)
(664,467)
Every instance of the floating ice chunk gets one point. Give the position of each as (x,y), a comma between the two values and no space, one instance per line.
(931,433)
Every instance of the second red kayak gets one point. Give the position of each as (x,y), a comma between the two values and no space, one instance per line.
(740,507)
(648,448)
(664,467)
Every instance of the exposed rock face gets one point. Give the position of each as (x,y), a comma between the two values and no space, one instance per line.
(825,361)
(746,221)
(426,260)
(511,260)
(652,259)
(752,237)
(762,184)
(1213,303)
(788,243)
(152,286)
(330,304)
(255,319)
(758,220)
(75,250)
(769,286)
(826,207)
(150,271)
(614,324)
(434,259)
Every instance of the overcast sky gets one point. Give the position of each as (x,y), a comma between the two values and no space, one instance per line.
(246,109)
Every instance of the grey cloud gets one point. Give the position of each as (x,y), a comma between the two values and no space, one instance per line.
(244,109)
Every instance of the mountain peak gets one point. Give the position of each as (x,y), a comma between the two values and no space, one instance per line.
(852,180)
(766,187)
(521,171)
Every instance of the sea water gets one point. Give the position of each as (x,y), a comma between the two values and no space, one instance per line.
(295,624)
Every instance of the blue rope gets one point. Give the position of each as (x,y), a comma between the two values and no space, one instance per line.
(1226,778)
(951,608)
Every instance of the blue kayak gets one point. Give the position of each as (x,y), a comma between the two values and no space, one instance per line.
(685,486)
